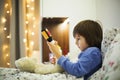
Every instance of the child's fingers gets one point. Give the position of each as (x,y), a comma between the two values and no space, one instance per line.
(56,43)
(49,44)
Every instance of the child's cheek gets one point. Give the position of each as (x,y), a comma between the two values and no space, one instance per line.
(79,43)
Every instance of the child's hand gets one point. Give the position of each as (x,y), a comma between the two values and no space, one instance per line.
(55,49)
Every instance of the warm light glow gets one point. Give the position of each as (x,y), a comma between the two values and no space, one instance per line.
(5,47)
(63,25)
(8,37)
(30,26)
(33,18)
(28,6)
(7,55)
(32,43)
(27,15)
(33,33)
(6,5)
(8,12)
(27,48)
(32,0)
(5,29)
(26,22)
(26,31)
(3,20)
(33,26)
(32,8)
(8,63)
(24,40)
(27,1)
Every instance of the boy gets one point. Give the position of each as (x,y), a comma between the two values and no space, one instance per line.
(88,36)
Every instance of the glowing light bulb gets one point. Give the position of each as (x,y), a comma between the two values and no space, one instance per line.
(27,15)
(8,63)
(7,55)
(8,12)
(28,6)
(33,33)
(26,31)
(6,5)
(3,20)
(26,22)
(24,40)
(5,29)
(8,37)
(32,43)
(5,47)
(32,8)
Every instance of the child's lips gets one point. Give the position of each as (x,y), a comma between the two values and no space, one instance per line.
(79,47)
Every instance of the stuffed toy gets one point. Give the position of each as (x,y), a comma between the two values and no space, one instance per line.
(30,64)
(26,64)
(47,68)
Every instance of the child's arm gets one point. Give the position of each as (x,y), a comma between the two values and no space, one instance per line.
(84,65)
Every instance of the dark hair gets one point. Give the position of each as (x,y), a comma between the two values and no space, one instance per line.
(91,31)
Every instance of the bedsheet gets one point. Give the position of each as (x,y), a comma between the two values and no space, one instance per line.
(16,74)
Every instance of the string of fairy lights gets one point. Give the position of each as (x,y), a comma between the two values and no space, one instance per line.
(29,27)
(5,20)
(29,31)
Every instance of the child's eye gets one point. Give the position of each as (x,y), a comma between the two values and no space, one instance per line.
(78,39)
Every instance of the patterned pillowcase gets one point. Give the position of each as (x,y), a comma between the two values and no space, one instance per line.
(111,64)
(97,75)
(108,36)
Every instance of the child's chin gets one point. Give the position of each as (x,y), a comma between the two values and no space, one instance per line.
(80,48)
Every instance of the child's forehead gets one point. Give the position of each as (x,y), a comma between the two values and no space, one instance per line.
(77,35)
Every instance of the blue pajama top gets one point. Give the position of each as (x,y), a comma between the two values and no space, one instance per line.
(89,61)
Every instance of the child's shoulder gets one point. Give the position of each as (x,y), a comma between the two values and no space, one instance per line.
(92,49)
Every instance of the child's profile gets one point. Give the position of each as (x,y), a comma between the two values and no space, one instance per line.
(88,37)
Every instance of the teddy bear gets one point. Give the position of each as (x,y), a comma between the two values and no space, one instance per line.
(31,64)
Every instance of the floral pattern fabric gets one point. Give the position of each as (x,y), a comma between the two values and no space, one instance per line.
(111,65)
(108,37)
(110,54)
(16,74)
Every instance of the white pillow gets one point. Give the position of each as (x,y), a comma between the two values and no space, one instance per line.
(108,37)
(111,64)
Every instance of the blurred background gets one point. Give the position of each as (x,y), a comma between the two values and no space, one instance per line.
(21,22)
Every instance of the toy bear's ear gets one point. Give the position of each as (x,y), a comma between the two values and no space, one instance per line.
(26,64)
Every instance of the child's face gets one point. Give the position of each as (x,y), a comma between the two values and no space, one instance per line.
(81,42)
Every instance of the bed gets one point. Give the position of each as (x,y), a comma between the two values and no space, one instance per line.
(16,74)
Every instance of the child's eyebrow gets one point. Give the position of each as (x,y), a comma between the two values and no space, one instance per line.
(77,37)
